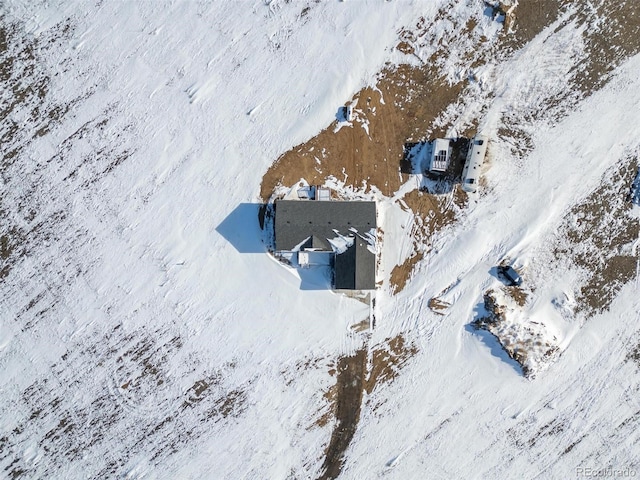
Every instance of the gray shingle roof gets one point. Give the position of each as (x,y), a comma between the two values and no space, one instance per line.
(355,269)
(297,220)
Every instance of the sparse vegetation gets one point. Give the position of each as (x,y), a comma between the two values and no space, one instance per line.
(355,375)
(598,235)
(526,343)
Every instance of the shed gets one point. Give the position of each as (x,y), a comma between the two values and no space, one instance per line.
(440,155)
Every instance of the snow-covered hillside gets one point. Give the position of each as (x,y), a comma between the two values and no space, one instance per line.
(145,332)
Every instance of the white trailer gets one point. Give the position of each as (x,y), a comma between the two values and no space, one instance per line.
(475,158)
(440,155)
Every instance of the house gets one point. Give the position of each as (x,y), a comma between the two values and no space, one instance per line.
(335,233)
(440,156)
(475,158)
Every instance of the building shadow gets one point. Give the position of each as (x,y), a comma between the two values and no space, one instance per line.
(490,340)
(315,278)
(341,115)
(493,271)
(436,185)
(241,228)
(413,157)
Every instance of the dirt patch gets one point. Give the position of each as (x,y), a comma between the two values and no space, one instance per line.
(438,305)
(518,295)
(431,214)
(231,404)
(356,374)
(404,103)
(401,274)
(599,236)
(348,401)
(362,326)
(432,211)
(387,360)
(612,35)
(528,19)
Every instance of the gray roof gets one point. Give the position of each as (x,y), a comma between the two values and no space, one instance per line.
(355,269)
(317,243)
(297,220)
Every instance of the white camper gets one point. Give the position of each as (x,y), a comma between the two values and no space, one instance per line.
(475,158)
(440,155)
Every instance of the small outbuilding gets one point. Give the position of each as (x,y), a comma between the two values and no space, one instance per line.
(440,155)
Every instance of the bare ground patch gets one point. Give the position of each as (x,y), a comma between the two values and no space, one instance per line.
(355,375)
(351,373)
(403,106)
(387,359)
(528,343)
(401,274)
(518,295)
(431,213)
(404,102)
(598,236)
(610,33)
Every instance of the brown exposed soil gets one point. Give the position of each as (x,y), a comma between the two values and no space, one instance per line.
(431,213)
(387,360)
(518,295)
(613,34)
(596,230)
(528,19)
(403,104)
(356,374)
(438,305)
(401,274)
(362,326)
(348,401)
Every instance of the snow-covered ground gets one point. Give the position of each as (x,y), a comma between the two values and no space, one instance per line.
(146,334)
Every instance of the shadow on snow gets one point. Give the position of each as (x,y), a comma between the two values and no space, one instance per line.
(242,230)
(490,340)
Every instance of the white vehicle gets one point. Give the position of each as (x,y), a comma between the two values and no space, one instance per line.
(475,158)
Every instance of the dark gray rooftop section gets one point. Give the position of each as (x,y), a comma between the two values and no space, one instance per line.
(317,243)
(297,220)
(355,269)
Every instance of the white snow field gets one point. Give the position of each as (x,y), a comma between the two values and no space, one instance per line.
(144,330)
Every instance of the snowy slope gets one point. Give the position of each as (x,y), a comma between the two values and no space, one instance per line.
(146,334)
(151,274)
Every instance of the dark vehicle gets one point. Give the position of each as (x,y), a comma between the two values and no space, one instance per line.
(509,275)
